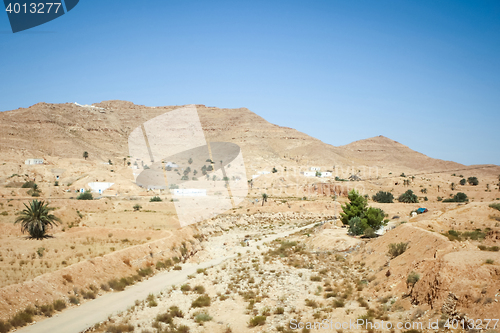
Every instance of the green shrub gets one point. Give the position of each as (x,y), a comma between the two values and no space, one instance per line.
(396,249)
(463,181)
(369,233)
(473,181)
(120,328)
(199,289)
(59,305)
(89,294)
(143,272)
(21,319)
(338,303)
(383,197)
(117,285)
(137,207)
(151,300)
(489,261)
(177,268)
(5,326)
(408,197)
(486,248)
(74,300)
(47,310)
(357,226)
(459,197)
(495,206)
(201,317)
(29,184)
(176,312)
(279,310)
(155,199)
(185,287)
(316,278)
(85,196)
(201,301)
(257,321)
(412,278)
(166,318)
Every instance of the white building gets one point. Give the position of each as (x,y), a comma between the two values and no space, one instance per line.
(315,168)
(99,187)
(190,192)
(172,165)
(326,174)
(309,173)
(32,161)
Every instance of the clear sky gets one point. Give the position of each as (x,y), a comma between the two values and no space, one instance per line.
(424,73)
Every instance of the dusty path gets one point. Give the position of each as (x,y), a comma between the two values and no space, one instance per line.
(80,318)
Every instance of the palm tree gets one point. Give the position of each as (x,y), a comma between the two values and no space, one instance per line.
(264,198)
(85,155)
(36,218)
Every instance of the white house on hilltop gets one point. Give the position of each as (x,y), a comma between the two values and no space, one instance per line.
(33,161)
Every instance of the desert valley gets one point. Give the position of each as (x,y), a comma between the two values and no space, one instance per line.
(289,253)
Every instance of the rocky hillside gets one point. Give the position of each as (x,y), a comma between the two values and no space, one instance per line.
(66,130)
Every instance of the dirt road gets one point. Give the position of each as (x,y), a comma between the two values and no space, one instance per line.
(80,318)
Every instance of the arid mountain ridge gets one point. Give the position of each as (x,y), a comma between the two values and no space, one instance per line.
(66,130)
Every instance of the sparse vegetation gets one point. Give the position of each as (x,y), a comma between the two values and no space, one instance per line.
(257,321)
(155,199)
(396,249)
(412,279)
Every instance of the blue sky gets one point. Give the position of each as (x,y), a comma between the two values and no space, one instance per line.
(424,73)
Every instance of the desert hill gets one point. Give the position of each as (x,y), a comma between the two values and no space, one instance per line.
(66,130)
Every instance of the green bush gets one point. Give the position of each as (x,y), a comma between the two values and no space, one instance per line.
(459,197)
(120,328)
(396,249)
(408,197)
(74,300)
(201,301)
(137,207)
(155,199)
(21,318)
(412,278)
(186,287)
(369,233)
(5,326)
(85,196)
(59,305)
(257,321)
(201,317)
(463,181)
(473,181)
(143,272)
(357,226)
(29,184)
(495,206)
(199,289)
(489,261)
